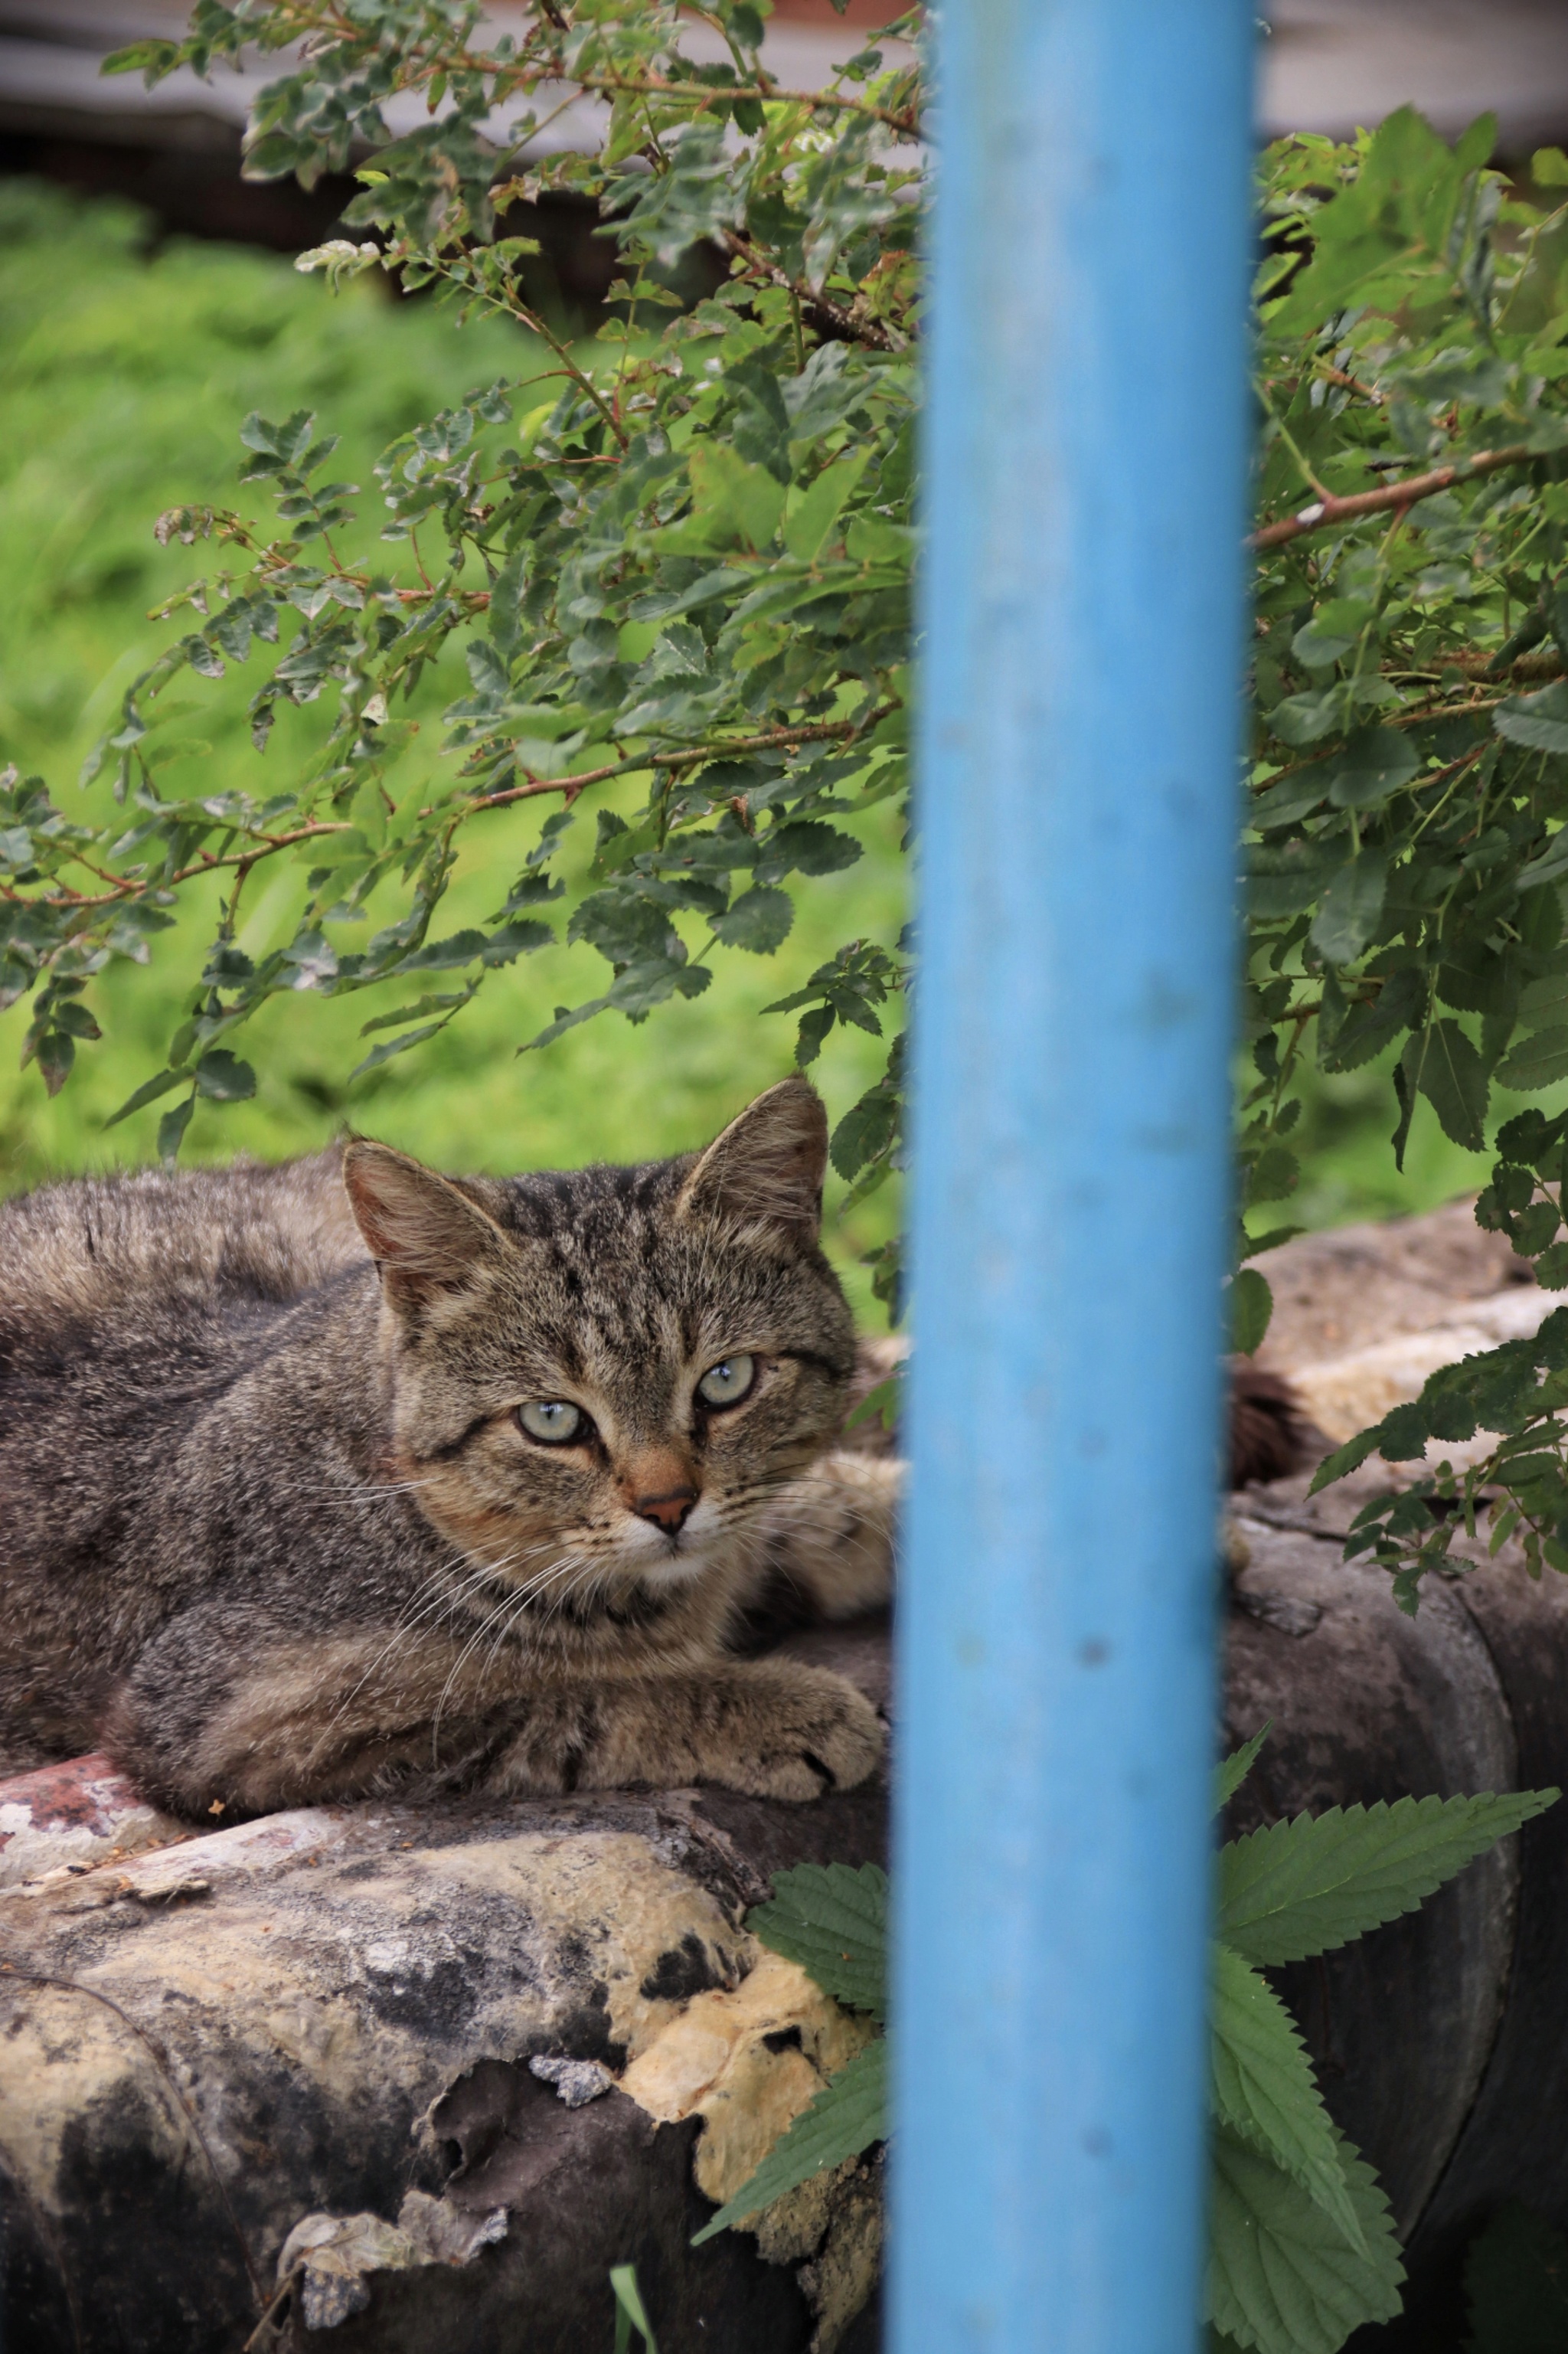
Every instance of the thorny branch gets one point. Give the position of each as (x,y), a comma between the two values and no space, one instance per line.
(844,321)
(1324,513)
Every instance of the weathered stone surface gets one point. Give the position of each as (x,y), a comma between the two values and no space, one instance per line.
(312,2033)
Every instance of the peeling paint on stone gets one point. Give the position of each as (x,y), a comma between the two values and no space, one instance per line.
(748,2062)
(64,1818)
(331,2259)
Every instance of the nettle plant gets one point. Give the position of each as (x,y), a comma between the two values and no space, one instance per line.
(683,561)
(1302,2249)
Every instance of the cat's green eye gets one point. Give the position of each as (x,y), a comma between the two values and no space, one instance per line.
(554,1420)
(728,1382)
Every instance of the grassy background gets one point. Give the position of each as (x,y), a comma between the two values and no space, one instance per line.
(125,373)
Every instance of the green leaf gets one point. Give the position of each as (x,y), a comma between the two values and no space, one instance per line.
(1539,721)
(814,514)
(390,1048)
(1263,2090)
(805,844)
(1282,2277)
(1453,1078)
(172,1128)
(1332,632)
(1252,1305)
(1537,1062)
(732,500)
(760,920)
(224,1078)
(1229,1776)
(443,1002)
(832,1920)
(1351,909)
(866,1129)
(1307,718)
(1311,1884)
(848,2115)
(152,60)
(882,1401)
(1400,1004)
(56,1051)
(148,1092)
(1291,796)
(1375,763)
(629,2314)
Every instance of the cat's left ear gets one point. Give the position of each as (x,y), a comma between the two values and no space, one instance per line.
(424,1233)
(767,1167)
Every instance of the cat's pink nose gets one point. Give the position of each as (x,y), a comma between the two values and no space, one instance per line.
(668,1511)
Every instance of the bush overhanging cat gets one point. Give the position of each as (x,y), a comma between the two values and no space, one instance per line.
(345,1476)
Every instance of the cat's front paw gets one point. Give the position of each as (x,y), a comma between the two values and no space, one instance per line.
(798,1732)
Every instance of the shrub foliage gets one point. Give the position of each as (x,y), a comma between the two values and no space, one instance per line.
(686,559)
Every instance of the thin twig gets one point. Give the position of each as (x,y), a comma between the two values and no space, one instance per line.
(825,731)
(836,314)
(1324,513)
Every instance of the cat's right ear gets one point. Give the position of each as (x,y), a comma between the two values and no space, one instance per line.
(766,1170)
(425,1235)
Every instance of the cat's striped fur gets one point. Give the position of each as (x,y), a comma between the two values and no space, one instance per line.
(272,1531)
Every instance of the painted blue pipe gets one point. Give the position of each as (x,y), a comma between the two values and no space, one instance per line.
(1083,610)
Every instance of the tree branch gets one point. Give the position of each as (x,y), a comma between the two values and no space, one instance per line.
(824,731)
(843,321)
(1324,513)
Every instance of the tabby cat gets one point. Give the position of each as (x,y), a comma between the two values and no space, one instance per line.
(344,1477)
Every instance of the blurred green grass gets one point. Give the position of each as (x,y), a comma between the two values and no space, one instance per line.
(125,373)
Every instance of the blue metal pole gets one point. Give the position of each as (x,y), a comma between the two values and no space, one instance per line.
(1083,609)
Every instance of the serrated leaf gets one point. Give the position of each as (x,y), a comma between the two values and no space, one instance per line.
(1375,763)
(1281,2275)
(148,1092)
(1539,1061)
(390,1048)
(867,1128)
(1233,1771)
(807,844)
(172,1128)
(1539,722)
(443,1002)
(758,921)
(1311,1884)
(224,1078)
(848,2115)
(832,1920)
(1262,2089)
(55,1052)
(1453,1078)
(814,512)
(1351,908)
(732,500)
(1252,1305)
(1345,1458)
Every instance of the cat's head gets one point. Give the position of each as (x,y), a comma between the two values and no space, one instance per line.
(600,1378)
